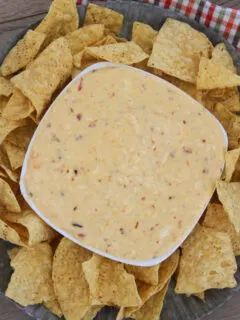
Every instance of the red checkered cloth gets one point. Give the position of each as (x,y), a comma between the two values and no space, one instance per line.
(222,20)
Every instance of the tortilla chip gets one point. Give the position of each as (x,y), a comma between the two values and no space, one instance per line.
(54,307)
(38,230)
(121,314)
(12,253)
(228,97)
(221,56)
(92,312)
(112,20)
(119,39)
(62,18)
(16,145)
(6,87)
(83,59)
(15,155)
(3,103)
(6,126)
(31,281)
(84,37)
(126,53)
(144,36)
(151,310)
(69,282)
(7,197)
(145,274)
(179,55)
(146,291)
(108,39)
(218,219)
(231,159)
(39,82)
(187,87)
(109,283)
(23,53)
(231,124)
(212,75)
(143,66)
(8,233)
(5,166)
(200,295)
(75,72)
(229,195)
(207,262)
(18,107)
(236,173)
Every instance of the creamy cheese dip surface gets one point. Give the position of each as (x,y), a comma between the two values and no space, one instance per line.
(125,163)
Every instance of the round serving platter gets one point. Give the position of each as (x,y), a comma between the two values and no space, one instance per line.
(176,307)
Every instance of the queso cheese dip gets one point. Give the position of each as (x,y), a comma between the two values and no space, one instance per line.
(125,163)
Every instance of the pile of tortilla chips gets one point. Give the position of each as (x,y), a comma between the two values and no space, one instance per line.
(52,270)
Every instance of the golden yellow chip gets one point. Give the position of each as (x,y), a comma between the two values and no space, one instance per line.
(92,312)
(38,230)
(108,39)
(200,295)
(229,195)
(143,66)
(31,281)
(7,197)
(15,154)
(151,310)
(6,126)
(119,39)
(221,56)
(75,72)
(16,144)
(231,124)
(231,159)
(109,283)
(236,173)
(166,270)
(179,55)
(6,87)
(84,37)
(69,282)
(23,53)
(42,78)
(83,59)
(212,75)
(3,103)
(6,167)
(228,97)
(62,18)
(217,219)
(145,274)
(144,36)
(54,307)
(9,233)
(189,88)
(12,253)
(207,262)
(18,107)
(112,20)
(125,52)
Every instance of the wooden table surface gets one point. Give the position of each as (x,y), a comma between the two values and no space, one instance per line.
(15,15)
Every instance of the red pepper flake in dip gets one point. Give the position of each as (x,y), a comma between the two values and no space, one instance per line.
(80,85)
(79,116)
(122,190)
